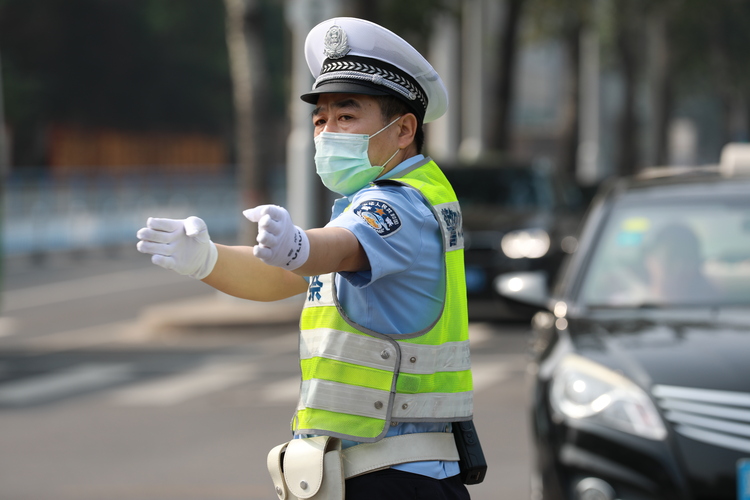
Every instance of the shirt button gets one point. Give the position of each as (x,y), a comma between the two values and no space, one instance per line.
(385,354)
(378,405)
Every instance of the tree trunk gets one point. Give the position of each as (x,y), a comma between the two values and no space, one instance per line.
(500,136)
(569,137)
(628,154)
(662,85)
(253,128)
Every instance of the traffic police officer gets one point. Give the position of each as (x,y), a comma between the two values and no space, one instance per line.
(384,344)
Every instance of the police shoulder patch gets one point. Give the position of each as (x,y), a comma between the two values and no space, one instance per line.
(380,216)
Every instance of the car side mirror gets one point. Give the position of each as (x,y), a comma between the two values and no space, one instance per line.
(527,288)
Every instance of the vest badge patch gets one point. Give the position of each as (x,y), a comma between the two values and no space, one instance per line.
(314,289)
(380,216)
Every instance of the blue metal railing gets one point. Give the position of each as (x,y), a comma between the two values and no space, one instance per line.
(47,214)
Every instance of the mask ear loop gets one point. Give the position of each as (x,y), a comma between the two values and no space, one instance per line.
(389,159)
(399,149)
(394,121)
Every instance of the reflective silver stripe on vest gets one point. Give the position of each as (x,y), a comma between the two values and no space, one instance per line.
(343,398)
(450,219)
(355,400)
(348,347)
(368,351)
(432,405)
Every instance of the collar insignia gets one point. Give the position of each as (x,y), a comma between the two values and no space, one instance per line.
(336,43)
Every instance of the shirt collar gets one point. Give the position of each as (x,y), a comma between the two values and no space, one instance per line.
(340,204)
(401,167)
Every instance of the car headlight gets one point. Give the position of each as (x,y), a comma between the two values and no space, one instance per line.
(526,243)
(582,389)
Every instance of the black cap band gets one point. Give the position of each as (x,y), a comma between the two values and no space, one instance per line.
(362,75)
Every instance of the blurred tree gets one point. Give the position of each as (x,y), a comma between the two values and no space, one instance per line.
(565,20)
(661,75)
(711,41)
(412,20)
(627,18)
(689,48)
(126,64)
(254,43)
(636,36)
(506,50)
(641,34)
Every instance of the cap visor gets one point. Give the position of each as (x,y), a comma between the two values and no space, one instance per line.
(342,88)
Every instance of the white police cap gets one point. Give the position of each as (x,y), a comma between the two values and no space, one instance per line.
(349,55)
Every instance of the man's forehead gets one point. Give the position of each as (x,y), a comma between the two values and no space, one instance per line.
(337,101)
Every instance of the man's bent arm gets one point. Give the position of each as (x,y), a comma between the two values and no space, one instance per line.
(333,249)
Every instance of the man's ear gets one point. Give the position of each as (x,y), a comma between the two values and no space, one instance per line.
(407,130)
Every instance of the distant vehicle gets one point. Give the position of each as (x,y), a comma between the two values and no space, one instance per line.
(516,217)
(642,351)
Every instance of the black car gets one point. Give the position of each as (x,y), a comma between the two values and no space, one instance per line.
(641,354)
(516,217)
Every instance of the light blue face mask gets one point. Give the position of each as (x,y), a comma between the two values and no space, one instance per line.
(342,163)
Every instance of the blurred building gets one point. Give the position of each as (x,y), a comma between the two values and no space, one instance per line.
(77,150)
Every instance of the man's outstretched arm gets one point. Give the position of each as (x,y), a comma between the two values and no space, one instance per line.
(184,246)
(239,273)
(271,270)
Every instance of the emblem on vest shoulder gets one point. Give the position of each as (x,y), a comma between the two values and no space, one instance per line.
(380,216)
(452,222)
(336,44)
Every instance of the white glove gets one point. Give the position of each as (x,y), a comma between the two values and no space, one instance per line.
(280,242)
(182,245)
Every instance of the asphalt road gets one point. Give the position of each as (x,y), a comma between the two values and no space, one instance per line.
(97,404)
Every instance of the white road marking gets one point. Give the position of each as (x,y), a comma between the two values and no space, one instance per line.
(479,333)
(84,288)
(63,383)
(8,326)
(283,391)
(76,339)
(178,388)
(488,373)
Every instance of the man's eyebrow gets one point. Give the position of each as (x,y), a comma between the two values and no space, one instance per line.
(347,103)
(344,103)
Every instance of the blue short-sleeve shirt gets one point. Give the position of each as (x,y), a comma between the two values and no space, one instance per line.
(404,289)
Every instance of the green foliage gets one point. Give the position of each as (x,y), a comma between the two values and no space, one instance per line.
(412,20)
(552,18)
(711,41)
(133,64)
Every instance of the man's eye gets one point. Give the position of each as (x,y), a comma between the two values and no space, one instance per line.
(319,122)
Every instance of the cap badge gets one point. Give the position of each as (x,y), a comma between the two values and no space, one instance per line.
(336,43)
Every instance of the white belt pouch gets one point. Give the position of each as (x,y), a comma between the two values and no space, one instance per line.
(309,469)
(315,468)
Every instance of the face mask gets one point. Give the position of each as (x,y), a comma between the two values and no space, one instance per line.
(342,163)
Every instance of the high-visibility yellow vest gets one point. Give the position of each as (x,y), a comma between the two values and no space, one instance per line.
(356,382)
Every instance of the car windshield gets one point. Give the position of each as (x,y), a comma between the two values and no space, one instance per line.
(672,254)
(513,188)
